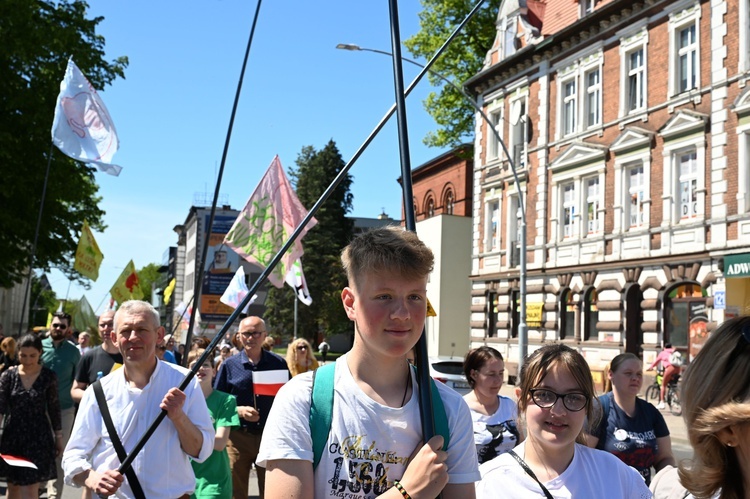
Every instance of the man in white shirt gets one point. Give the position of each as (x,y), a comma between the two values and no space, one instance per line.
(135,395)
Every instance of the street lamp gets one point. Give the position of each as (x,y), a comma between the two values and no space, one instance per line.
(522,330)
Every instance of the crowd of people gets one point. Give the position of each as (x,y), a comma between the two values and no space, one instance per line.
(351,428)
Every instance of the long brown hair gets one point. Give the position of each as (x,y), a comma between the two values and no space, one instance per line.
(542,361)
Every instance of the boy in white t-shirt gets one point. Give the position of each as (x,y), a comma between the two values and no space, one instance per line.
(375,447)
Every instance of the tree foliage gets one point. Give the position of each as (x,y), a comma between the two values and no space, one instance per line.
(43,301)
(322,244)
(463,59)
(37,38)
(149,275)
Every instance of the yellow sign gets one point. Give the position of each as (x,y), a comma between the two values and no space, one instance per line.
(534,314)
(430,311)
(88,256)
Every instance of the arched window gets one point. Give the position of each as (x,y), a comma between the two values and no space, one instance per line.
(686,317)
(430,208)
(567,315)
(449,202)
(591,314)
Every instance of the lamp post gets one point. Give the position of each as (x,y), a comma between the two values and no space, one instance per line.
(522,329)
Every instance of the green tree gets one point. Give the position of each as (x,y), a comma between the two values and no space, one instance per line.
(322,244)
(149,275)
(463,59)
(37,38)
(43,300)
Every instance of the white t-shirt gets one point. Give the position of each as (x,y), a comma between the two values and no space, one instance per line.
(369,444)
(591,474)
(496,433)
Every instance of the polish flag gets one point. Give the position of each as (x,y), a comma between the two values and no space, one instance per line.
(18,461)
(269,382)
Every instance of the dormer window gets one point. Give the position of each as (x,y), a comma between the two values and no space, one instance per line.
(585,7)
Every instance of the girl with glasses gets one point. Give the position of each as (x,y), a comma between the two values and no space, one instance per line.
(555,397)
(493,415)
(299,357)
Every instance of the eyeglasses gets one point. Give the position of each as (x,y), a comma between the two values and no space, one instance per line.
(547,398)
(59,326)
(301,347)
(254,334)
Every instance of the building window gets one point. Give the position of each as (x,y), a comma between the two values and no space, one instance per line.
(591,315)
(636,183)
(593,203)
(567,315)
(684,56)
(570,107)
(493,149)
(636,81)
(688,185)
(687,55)
(493,225)
(593,97)
(517,132)
(585,7)
(568,209)
(449,203)
(430,208)
(514,231)
(510,39)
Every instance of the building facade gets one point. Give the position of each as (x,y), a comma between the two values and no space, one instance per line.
(629,125)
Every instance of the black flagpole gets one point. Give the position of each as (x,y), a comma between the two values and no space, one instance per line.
(36,238)
(200,271)
(423,369)
(127,463)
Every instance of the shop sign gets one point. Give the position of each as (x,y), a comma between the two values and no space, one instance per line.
(737,265)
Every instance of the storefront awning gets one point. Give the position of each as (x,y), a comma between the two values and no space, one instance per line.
(737,265)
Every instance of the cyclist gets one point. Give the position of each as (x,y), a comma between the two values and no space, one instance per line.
(664,360)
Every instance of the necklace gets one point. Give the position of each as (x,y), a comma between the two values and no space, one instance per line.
(408,384)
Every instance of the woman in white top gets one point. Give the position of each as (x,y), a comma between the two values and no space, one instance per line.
(715,401)
(493,415)
(555,396)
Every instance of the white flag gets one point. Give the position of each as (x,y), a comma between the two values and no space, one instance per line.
(83,128)
(237,291)
(296,279)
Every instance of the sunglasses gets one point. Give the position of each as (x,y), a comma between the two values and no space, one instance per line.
(302,347)
(255,334)
(59,326)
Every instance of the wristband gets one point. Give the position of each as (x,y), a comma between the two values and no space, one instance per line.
(401,489)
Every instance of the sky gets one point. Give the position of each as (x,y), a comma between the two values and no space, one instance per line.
(172,111)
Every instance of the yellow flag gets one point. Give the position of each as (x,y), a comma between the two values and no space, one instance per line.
(430,311)
(88,256)
(126,287)
(169,290)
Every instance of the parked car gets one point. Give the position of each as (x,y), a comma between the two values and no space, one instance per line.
(450,370)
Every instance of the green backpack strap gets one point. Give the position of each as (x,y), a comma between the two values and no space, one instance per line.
(321,409)
(439,415)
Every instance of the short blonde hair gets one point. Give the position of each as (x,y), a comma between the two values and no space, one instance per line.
(387,249)
(715,395)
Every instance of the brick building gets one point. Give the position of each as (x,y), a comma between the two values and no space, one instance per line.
(629,123)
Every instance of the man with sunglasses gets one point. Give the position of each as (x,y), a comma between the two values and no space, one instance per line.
(62,357)
(235,377)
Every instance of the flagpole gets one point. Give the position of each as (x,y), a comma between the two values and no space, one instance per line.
(128,462)
(423,375)
(296,299)
(201,270)
(36,238)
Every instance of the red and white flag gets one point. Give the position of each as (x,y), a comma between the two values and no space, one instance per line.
(83,128)
(296,279)
(18,461)
(237,291)
(268,219)
(269,382)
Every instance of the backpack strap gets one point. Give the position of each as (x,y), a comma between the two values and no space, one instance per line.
(321,411)
(605,402)
(101,400)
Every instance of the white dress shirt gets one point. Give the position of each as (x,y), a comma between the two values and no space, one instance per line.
(162,467)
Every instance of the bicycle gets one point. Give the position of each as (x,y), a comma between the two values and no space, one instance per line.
(672,398)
